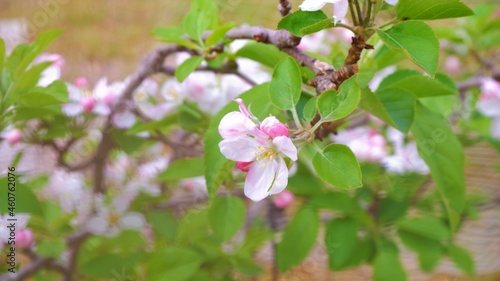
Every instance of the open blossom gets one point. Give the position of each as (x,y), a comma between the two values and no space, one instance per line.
(340,7)
(405,158)
(489,103)
(51,73)
(366,143)
(261,146)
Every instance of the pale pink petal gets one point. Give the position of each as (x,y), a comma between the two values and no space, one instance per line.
(274,128)
(97,225)
(243,166)
(124,120)
(235,124)
(133,220)
(489,107)
(72,109)
(312,5)
(340,10)
(260,178)
(242,149)
(281,178)
(391,2)
(102,109)
(495,128)
(243,108)
(285,146)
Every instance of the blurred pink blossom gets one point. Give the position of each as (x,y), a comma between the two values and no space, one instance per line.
(283,199)
(24,238)
(13,136)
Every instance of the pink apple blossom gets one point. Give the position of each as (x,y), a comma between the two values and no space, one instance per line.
(81,82)
(264,144)
(489,103)
(405,158)
(340,7)
(365,142)
(24,238)
(51,73)
(284,199)
(13,136)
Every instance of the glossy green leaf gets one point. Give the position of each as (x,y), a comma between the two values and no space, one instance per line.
(431,10)
(111,265)
(219,33)
(431,228)
(334,105)
(388,266)
(55,93)
(188,66)
(443,153)
(342,243)
(2,53)
(462,259)
(173,264)
(299,238)
(310,109)
(25,199)
(174,35)
(286,84)
(195,23)
(298,20)
(183,169)
(164,225)
(226,215)
(217,167)
(416,40)
(429,250)
(417,84)
(254,51)
(338,166)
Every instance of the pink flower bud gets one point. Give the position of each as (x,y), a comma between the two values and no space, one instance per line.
(24,238)
(243,166)
(81,82)
(88,104)
(276,130)
(452,65)
(109,98)
(283,199)
(14,136)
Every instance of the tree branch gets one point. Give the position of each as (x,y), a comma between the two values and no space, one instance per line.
(284,7)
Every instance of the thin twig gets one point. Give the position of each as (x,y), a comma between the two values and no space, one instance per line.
(284,7)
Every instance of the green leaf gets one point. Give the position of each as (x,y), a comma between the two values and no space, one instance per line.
(174,35)
(431,10)
(429,250)
(188,66)
(183,169)
(416,40)
(318,26)
(2,53)
(110,265)
(25,198)
(420,86)
(443,153)
(50,249)
(254,51)
(342,243)
(333,105)
(342,203)
(215,36)
(286,84)
(462,259)
(367,69)
(164,225)
(338,166)
(298,20)
(173,264)
(195,23)
(226,215)
(431,228)
(393,106)
(55,93)
(299,238)
(388,266)
(310,109)
(128,143)
(217,167)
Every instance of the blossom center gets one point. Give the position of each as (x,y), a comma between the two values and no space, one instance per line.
(113,219)
(267,153)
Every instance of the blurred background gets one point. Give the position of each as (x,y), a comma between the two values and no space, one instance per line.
(109,38)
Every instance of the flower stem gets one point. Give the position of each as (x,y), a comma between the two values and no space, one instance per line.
(296,118)
(316,126)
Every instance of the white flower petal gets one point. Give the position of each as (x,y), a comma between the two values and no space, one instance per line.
(97,225)
(286,147)
(123,120)
(340,10)
(489,107)
(235,124)
(133,220)
(391,2)
(72,109)
(259,179)
(244,149)
(312,5)
(101,109)
(281,178)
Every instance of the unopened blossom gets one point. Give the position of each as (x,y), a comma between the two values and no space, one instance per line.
(24,238)
(340,7)
(264,144)
(489,103)
(13,136)
(284,199)
(21,223)
(452,65)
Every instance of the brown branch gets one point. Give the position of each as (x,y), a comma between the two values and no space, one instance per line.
(37,263)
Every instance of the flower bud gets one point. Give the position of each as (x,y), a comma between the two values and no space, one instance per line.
(88,104)
(13,136)
(243,166)
(81,82)
(283,199)
(24,238)
(109,99)
(277,130)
